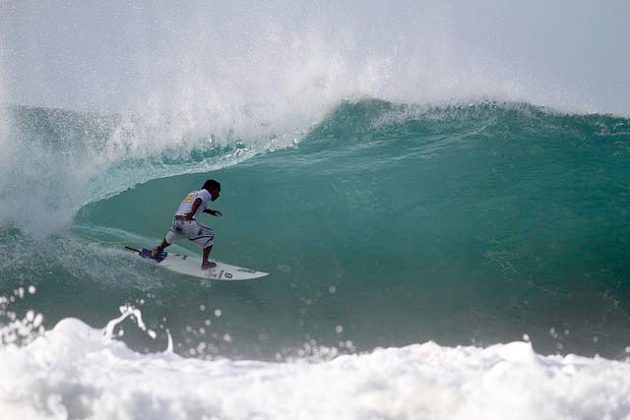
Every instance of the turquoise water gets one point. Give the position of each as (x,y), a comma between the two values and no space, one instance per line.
(382,225)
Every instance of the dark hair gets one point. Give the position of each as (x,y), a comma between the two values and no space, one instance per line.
(211,184)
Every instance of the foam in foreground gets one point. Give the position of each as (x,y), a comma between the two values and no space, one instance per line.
(75,371)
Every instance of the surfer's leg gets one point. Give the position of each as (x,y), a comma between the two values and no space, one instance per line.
(158,249)
(204,237)
(173,233)
(205,264)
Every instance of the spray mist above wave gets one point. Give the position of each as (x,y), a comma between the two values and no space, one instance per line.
(292,60)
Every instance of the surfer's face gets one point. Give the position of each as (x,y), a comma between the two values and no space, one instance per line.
(215,194)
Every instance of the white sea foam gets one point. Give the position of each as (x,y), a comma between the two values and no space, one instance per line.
(75,371)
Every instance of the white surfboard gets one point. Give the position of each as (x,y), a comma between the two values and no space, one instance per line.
(191,266)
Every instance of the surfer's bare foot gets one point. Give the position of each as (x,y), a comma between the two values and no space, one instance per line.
(208,265)
(156,251)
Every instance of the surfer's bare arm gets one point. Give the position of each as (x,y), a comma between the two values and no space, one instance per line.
(194,209)
(213,212)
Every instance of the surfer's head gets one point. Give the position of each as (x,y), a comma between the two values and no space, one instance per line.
(213,187)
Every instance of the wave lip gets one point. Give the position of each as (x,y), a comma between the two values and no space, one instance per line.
(74,371)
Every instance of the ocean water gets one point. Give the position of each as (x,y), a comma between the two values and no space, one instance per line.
(439,190)
(454,261)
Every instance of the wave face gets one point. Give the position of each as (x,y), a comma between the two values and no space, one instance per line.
(385,225)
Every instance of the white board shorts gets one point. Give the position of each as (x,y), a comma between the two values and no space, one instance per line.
(191,230)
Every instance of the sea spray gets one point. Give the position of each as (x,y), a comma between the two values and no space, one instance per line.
(13,329)
(126,312)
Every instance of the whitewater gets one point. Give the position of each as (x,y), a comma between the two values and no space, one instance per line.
(440,199)
(77,372)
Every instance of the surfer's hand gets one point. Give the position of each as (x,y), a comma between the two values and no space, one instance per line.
(216,213)
(188,217)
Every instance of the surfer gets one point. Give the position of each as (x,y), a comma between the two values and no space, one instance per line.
(185,223)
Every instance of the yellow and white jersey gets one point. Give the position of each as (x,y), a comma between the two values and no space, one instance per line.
(185,206)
